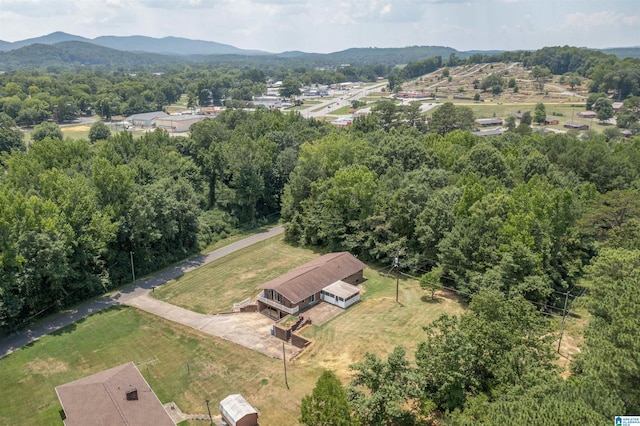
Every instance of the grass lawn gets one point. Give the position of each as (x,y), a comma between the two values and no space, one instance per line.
(190,368)
(376,324)
(345,110)
(216,286)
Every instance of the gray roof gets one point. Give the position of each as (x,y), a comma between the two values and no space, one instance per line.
(148,115)
(342,289)
(494,132)
(486,121)
(101,399)
(235,407)
(184,117)
(575,124)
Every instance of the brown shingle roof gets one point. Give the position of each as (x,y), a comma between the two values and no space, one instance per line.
(101,399)
(303,281)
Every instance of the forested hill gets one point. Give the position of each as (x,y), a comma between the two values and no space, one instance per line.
(76,53)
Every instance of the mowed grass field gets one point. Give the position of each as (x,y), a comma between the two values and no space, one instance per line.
(188,367)
(376,324)
(183,366)
(215,287)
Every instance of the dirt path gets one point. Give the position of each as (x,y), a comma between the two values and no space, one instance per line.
(141,287)
(250,329)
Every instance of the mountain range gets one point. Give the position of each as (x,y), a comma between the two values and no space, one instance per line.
(166,45)
(65,49)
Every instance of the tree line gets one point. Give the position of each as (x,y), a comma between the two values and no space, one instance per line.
(514,224)
(74,213)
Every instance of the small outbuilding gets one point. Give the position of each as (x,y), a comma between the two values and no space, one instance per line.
(550,121)
(236,411)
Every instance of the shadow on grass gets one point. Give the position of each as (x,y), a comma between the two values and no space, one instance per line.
(430,300)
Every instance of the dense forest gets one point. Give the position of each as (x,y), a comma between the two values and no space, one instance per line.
(514,224)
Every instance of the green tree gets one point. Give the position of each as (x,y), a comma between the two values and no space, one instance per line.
(541,76)
(603,109)
(327,405)
(290,87)
(99,131)
(539,113)
(431,281)
(526,118)
(510,123)
(497,344)
(46,130)
(382,392)
(448,117)
(10,136)
(609,355)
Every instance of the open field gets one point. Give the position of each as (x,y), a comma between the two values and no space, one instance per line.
(191,366)
(560,100)
(343,340)
(215,287)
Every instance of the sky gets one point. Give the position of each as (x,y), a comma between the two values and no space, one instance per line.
(332,25)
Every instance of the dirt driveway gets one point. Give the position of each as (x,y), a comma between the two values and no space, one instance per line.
(249,329)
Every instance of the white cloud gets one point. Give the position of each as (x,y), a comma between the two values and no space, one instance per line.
(590,20)
(631,20)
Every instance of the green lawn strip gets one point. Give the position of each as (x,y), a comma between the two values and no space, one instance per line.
(345,110)
(377,323)
(215,287)
(186,367)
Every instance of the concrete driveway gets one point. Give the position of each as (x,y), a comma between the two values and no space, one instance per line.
(249,329)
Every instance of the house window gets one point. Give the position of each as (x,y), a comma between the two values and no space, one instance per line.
(277,297)
(312,298)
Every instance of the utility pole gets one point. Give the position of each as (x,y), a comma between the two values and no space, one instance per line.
(133,271)
(396,264)
(564,317)
(284,360)
(209,410)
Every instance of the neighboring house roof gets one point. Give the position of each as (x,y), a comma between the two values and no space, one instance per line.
(148,116)
(185,117)
(493,132)
(303,281)
(617,105)
(342,289)
(587,114)
(102,399)
(488,121)
(575,124)
(235,407)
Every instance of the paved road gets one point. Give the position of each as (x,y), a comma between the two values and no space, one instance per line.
(141,287)
(322,109)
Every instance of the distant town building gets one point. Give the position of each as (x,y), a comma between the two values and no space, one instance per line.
(146,119)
